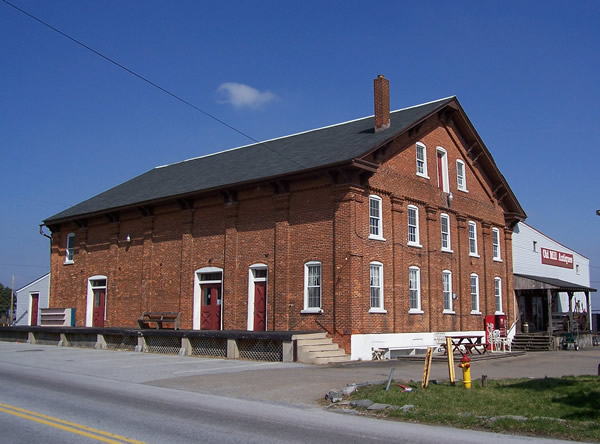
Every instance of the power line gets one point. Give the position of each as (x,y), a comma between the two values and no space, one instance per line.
(139,76)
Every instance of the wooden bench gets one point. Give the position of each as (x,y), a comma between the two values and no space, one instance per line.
(160,319)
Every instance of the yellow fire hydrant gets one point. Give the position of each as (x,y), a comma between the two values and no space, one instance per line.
(465,364)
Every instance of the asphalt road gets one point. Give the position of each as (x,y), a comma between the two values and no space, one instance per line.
(91,396)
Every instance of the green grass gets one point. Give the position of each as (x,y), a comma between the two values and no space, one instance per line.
(573,403)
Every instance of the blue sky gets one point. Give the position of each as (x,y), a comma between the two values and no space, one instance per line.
(74,125)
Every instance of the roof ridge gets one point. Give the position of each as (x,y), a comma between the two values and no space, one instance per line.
(298,134)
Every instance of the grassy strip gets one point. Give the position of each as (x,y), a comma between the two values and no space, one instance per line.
(567,407)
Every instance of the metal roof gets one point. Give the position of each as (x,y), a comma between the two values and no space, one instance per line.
(557,284)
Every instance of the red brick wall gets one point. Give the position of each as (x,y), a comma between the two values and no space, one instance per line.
(314,221)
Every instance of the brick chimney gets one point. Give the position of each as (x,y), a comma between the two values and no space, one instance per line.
(381,87)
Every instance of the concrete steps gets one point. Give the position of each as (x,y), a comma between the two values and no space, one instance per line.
(317,348)
(530,343)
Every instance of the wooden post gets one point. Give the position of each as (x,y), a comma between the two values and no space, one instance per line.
(484,382)
(449,350)
(549,297)
(427,368)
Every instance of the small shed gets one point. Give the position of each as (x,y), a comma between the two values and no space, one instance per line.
(30,299)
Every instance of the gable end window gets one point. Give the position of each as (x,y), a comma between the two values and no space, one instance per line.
(498,294)
(70,248)
(442,169)
(461,178)
(312,287)
(421,155)
(496,244)
(376,286)
(413,226)
(445,224)
(375,223)
(475,294)
(447,291)
(473,239)
(414,290)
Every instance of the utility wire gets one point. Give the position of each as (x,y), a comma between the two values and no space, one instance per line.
(139,76)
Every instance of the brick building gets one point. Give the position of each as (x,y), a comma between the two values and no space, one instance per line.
(381,229)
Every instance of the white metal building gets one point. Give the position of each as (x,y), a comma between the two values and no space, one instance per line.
(30,299)
(552,282)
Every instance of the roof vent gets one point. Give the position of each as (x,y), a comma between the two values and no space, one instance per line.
(381,87)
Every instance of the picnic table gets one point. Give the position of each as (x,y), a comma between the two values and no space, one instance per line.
(465,344)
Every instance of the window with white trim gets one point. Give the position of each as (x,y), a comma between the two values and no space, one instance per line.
(421,155)
(498,294)
(447,290)
(474,293)
(413,225)
(414,290)
(496,244)
(461,178)
(445,224)
(70,248)
(376,286)
(442,169)
(375,223)
(312,287)
(472,239)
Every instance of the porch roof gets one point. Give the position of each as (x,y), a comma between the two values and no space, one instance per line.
(527,282)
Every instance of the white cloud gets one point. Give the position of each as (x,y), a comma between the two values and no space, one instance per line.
(244,96)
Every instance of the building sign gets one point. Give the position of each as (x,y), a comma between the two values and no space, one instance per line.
(556,258)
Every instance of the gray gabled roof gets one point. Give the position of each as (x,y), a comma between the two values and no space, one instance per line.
(306,151)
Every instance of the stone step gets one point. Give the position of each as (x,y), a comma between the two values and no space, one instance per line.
(320,347)
(317,335)
(311,342)
(331,360)
(326,353)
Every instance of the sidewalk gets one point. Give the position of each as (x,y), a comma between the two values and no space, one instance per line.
(307,384)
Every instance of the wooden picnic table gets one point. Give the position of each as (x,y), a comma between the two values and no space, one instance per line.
(468,343)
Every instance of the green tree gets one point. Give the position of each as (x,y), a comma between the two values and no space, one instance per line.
(5,300)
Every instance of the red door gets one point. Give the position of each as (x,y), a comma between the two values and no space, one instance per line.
(98,318)
(210,313)
(260,306)
(35,300)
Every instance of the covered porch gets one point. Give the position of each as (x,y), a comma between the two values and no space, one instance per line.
(539,306)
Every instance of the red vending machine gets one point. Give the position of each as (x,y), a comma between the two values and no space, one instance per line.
(501,325)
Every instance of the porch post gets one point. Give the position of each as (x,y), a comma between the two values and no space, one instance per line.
(570,293)
(589,309)
(549,302)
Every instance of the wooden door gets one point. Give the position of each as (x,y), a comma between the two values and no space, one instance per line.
(99,304)
(210,313)
(35,302)
(260,306)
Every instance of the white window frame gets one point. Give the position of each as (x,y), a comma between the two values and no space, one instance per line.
(474,293)
(447,291)
(70,251)
(423,161)
(497,256)
(445,234)
(252,278)
(461,179)
(374,285)
(498,295)
(473,251)
(89,314)
(444,186)
(415,242)
(196,318)
(307,308)
(375,221)
(414,287)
